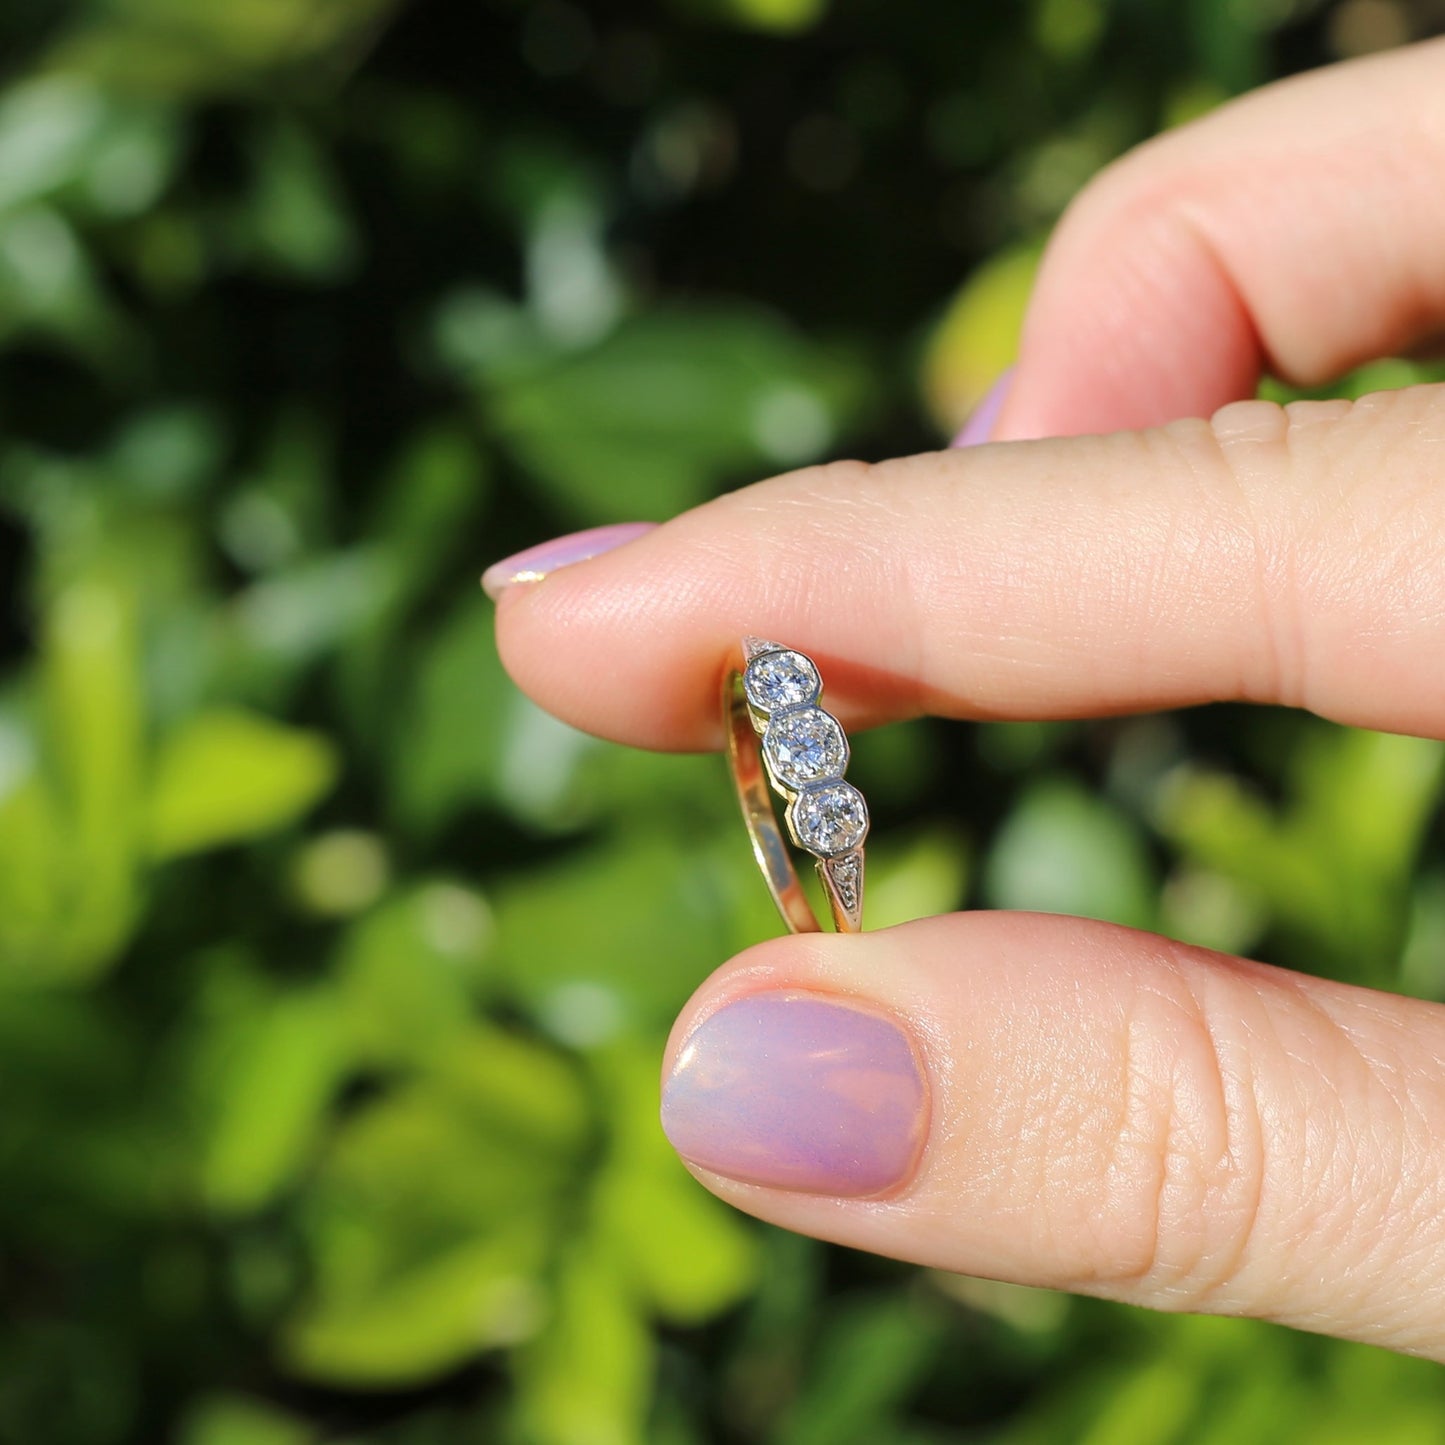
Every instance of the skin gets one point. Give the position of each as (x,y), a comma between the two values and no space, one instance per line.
(1114,1112)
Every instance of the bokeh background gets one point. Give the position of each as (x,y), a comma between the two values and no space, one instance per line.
(333,975)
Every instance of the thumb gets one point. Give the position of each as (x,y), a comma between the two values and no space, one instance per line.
(1072,1104)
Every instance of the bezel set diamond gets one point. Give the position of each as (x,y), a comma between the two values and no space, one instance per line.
(806,753)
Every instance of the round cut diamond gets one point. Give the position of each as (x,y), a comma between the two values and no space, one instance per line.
(780,679)
(804,746)
(831,819)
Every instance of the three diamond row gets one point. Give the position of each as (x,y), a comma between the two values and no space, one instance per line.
(805,753)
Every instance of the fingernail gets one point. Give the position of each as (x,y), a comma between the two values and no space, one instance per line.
(798,1092)
(548,557)
(979,427)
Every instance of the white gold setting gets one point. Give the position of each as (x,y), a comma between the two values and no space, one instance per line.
(804,753)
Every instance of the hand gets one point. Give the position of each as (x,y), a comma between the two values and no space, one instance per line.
(1069,1103)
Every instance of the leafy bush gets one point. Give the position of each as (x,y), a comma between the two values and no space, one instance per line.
(333,976)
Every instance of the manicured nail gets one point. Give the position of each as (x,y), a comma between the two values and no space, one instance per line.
(799,1092)
(980,425)
(547,557)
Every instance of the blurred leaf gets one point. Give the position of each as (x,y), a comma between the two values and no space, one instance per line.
(778,16)
(491,1130)
(613,939)
(1063,850)
(409,971)
(586,1380)
(32,863)
(648,421)
(47,128)
(1367,796)
(48,285)
(168,452)
(435,1212)
(453,720)
(273,1079)
(296,220)
(475,1297)
(432,489)
(916,879)
(298,613)
(236,1420)
(91,683)
(170,47)
(1152,1406)
(978,335)
(683,1253)
(873,1351)
(1333,862)
(226,775)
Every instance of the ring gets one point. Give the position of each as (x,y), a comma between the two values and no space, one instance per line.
(779,735)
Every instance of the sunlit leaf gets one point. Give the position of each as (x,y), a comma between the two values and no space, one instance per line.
(275,1075)
(431,1319)
(223,776)
(651,419)
(93,748)
(614,939)
(586,1380)
(683,1254)
(978,335)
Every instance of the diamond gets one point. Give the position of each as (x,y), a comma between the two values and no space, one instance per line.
(781,679)
(804,746)
(846,876)
(829,820)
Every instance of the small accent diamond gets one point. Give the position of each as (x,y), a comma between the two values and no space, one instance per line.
(804,746)
(781,679)
(844,873)
(830,819)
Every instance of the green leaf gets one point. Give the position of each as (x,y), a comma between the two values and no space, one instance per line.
(409,972)
(1366,797)
(273,1080)
(916,878)
(296,221)
(978,335)
(32,866)
(434,1212)
(174,48)
(1063,850)
(476,1297)
(47,127)
(453,720)
(614,938)
(236,1420)
(586,1380)
(873,1351)
(223,776)
(684,1254)
(92,743)
(650,420)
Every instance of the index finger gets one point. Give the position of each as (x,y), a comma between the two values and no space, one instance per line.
(1280,555)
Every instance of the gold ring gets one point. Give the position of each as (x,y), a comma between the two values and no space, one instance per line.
(779,735)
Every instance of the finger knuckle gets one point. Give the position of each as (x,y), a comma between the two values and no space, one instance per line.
(1178,1167)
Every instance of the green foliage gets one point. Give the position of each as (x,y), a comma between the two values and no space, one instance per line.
(333,975)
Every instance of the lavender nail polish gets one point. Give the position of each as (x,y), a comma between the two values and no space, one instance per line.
(797,1091)
(979,427)
(547,557)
